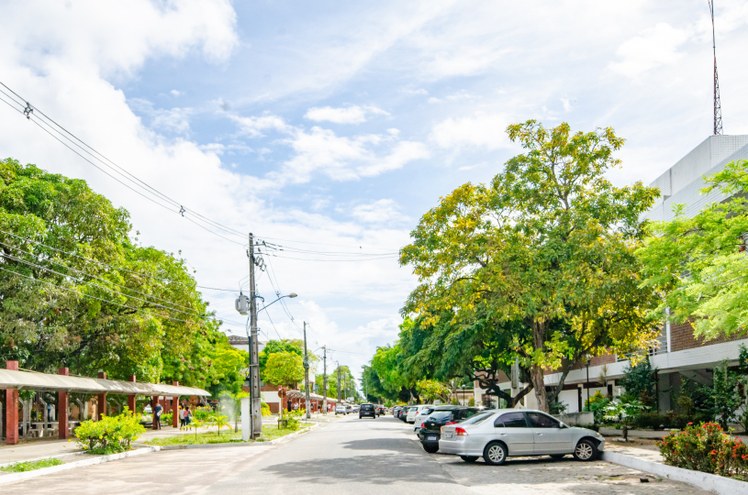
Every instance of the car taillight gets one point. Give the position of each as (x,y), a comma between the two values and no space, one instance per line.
(423,425)
(460,432)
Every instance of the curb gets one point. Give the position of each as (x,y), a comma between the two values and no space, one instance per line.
(705,481)
(15,477)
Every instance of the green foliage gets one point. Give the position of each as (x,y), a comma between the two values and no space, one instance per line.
(431,391)
(283,368)
(166,418)
(21,467)
(624,410)
(597,405)
(109,435)
(706,448)
(696,263)
(640,383)
(78,290)
(292,419)
(538,266)
(286,345)
(265,408)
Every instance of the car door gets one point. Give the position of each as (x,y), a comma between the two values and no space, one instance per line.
(512,429)
(548,434)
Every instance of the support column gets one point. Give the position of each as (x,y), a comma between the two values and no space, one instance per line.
(175,409)
(11,409)
(62,408)
(101,400)
(131,403)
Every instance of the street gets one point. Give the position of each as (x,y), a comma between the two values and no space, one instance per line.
(348,455)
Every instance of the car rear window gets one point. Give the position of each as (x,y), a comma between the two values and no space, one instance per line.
(440,414)
(478,418)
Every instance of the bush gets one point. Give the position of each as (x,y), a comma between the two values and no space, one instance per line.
(265,408)
(596,405)
(166,418)
(706,448)
(109,435)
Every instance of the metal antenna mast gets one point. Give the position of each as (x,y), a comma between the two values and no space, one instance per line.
(717,100)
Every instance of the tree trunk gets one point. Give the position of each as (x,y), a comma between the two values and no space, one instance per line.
(537,375)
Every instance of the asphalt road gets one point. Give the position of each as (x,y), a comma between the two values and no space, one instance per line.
(347,456)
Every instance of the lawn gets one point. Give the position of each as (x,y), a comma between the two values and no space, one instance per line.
(20,467)
(269,432)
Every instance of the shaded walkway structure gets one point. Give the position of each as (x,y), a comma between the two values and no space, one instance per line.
(13,380)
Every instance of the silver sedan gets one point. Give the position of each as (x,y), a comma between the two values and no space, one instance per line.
(501,433)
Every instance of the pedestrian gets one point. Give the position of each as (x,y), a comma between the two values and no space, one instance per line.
(188,417)
(183,417)
(157,410)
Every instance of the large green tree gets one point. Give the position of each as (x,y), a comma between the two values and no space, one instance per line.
(544,255)
(283,368)
(75,290)
(699,264)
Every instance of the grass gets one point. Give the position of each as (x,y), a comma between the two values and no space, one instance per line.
(269,432)
(20,467)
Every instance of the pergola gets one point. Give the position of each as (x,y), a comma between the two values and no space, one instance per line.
(12,380)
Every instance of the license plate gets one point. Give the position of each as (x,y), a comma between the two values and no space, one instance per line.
(447,435)
(430,437)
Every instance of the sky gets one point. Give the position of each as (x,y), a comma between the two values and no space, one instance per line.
(327,129)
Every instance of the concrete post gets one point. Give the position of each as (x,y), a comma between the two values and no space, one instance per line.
(11,409)
(101,400)
(62,408)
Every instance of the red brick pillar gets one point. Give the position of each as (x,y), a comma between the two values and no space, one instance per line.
(175,409)
(62,408)
(131,404)
(101,400)
(11,409)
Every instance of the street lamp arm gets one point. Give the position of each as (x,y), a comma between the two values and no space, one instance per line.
(290,296)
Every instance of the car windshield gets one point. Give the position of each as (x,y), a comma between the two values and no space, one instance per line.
(440,415)
(478,418)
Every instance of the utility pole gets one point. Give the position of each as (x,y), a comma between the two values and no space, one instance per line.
(324,379)
(339,391)
(255,408)
(307,401)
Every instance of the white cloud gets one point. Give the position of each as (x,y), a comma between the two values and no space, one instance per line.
(656,47)
(343,158)
(378,212)
(480,130)
(343,115)
(257,126)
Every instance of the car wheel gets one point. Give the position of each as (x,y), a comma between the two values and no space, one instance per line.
(495,453)
(469,458)
(430,448)
(586,450)
(557,457)
(359,417)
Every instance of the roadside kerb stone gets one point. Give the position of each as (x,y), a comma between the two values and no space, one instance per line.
(89,461)
(705,481)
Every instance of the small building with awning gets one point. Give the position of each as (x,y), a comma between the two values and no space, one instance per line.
(13,380)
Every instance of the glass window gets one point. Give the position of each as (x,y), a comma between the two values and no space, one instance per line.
(511,420)
(478,418)
(540,420)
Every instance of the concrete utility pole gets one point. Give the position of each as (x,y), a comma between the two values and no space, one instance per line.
(307,400)
(324,379)
(255,409)
(339,391)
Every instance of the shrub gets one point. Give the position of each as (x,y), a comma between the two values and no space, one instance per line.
(166,418)
(706,448)
(109,435)
(596,405)
(265,408)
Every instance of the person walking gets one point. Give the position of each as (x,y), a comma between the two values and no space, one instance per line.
(157,410)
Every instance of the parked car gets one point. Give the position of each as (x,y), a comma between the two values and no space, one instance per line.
(406,411)
(414,410)
(429,431)
(367,409)
(403,413)
(501,433)
(396,411)
(340,409)
(421,415)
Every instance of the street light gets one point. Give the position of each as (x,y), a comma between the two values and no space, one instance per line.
(244,304)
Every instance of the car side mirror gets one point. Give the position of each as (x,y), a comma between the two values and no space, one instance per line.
(563,425)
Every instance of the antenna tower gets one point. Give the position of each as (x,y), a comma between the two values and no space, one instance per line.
(717,100)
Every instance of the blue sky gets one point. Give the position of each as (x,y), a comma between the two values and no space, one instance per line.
(330,127)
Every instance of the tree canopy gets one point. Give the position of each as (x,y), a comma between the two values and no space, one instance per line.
(698,265)
(76,291)
(536,267)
